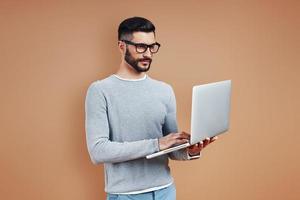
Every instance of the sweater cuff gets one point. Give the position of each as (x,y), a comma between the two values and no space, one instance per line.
(190,157)
(156,145)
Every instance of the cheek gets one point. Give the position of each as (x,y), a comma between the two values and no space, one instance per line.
(133,54)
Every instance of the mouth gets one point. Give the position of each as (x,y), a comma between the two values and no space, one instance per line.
(144,62)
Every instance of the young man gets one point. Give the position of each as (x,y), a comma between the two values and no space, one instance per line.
(130,115)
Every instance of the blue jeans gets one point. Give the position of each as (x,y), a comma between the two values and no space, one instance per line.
(168,193)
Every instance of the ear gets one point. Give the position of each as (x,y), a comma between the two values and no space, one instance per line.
(121,46)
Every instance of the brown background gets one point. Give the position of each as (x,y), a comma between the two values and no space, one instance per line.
(52,50)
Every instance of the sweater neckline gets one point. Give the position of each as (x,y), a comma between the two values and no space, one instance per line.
(125,79)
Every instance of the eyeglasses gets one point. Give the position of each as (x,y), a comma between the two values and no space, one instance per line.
(142,47)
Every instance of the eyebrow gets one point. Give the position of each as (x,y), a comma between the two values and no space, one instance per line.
(145,43)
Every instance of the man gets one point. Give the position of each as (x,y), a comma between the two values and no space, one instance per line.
(130,115)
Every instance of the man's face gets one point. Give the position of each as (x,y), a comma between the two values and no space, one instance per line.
(140,61)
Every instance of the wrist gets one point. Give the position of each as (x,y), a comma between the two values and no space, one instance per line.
(158,144)
(193,153)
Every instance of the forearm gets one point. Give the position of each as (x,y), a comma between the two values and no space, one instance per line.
(106,151)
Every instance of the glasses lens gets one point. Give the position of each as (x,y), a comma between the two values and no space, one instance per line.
(140,48)
(154,48)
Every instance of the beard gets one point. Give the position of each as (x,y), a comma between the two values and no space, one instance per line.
(134,63)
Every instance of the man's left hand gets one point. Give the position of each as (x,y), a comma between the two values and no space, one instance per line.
(196,148)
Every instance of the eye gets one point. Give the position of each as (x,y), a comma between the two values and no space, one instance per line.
(154,48)
(141,48)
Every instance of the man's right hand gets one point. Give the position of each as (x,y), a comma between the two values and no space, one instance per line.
(172,139)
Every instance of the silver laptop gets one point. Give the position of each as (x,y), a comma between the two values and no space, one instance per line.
(210,114)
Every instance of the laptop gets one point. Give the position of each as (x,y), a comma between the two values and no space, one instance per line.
(209,116)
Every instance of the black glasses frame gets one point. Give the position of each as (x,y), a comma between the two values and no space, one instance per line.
(143,44)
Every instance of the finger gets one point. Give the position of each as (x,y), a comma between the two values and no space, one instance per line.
(181,141)
(176,136)
(195,145)
(180,137)
(185,134)
(213,139)
(201,145)
(192,147)
(206,142)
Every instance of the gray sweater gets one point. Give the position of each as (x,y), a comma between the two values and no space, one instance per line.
(124,120)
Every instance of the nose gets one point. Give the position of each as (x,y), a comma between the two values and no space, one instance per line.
(148,53)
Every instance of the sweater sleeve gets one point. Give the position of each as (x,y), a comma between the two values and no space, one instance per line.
(170,126)
(101,149)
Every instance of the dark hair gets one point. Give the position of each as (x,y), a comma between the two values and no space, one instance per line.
(134,24)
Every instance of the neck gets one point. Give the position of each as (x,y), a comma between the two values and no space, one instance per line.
(127,72)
